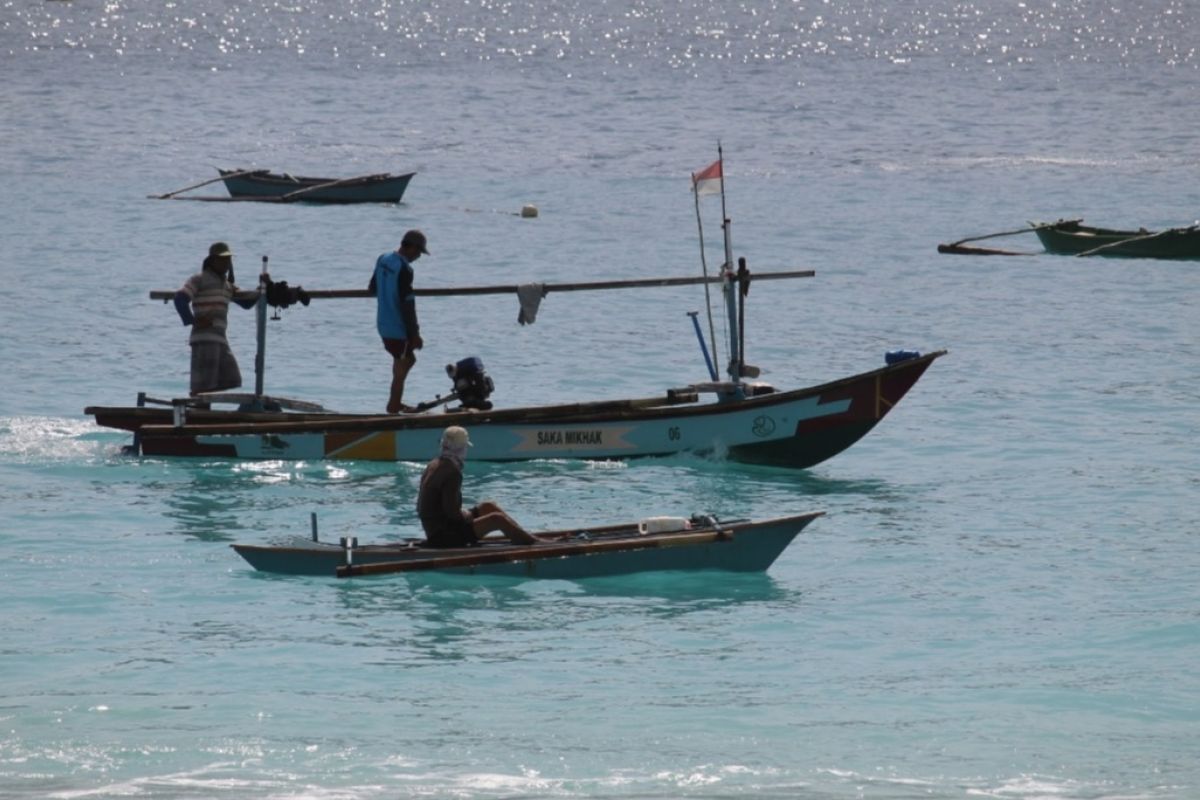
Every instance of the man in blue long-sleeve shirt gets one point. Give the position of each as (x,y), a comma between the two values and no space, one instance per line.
(396,312)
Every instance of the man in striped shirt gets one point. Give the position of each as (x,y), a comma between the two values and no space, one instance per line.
(203,303)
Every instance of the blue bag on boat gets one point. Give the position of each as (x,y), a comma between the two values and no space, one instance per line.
(896,356)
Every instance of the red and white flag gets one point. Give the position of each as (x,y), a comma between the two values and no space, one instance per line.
(708,180)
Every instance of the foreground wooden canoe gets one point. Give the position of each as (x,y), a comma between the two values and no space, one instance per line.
(1070,237)
(798,428)
(382,188)
(706,543)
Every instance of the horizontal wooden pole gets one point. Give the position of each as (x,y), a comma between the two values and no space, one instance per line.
(341,294)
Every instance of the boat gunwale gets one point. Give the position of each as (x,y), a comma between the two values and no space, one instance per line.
(418,558)
(301,181)
(561,414)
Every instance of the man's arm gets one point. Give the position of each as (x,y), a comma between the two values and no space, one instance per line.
(372,287)
(408,307)
(245,299)
(183,305)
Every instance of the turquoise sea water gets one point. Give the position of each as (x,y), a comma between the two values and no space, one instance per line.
(1001,600)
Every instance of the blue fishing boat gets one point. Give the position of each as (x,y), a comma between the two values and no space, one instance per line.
(734,415)
(742,418)
(752,424)
(701,542)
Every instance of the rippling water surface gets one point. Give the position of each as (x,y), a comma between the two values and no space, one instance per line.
(1001,599)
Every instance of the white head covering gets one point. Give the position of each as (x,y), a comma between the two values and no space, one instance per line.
(455,443)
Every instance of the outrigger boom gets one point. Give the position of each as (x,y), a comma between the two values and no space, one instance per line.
(507,288)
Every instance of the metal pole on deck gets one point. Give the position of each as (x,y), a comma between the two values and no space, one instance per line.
(730,280)
(712,371)
(260,355)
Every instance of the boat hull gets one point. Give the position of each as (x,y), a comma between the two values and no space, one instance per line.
(1072,238)
(587,553)
(799,428)
(265,185)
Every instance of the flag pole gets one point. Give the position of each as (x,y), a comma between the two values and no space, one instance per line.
(712,331)
(735,371)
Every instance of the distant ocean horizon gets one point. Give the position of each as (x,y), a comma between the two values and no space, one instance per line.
(1000,600)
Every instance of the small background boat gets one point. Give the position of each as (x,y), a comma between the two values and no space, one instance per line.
(261,184)
(702,542)
(1070,237)
(270,187)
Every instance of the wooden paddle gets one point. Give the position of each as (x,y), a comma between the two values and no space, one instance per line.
(507,555)
(169,195)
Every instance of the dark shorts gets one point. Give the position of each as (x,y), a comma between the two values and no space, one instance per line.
(214,369)
(458,534)
(398,348)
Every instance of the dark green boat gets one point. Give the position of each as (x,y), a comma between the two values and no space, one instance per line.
(1070,237)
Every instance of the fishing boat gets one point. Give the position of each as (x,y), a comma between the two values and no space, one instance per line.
(731,415)
(747,422)
(701,542)
(280,187)
(740,418)
(1070,237)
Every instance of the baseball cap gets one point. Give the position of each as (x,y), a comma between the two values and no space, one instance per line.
(220,249)
(415,238)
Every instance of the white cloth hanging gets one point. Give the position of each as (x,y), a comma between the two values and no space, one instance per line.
(530,295)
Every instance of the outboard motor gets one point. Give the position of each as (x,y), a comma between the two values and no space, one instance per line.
(472,386)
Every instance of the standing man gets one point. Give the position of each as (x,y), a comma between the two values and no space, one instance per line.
(203,303)
(396,314)
(439,503)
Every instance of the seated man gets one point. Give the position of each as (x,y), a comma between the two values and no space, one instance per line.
(439,503)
